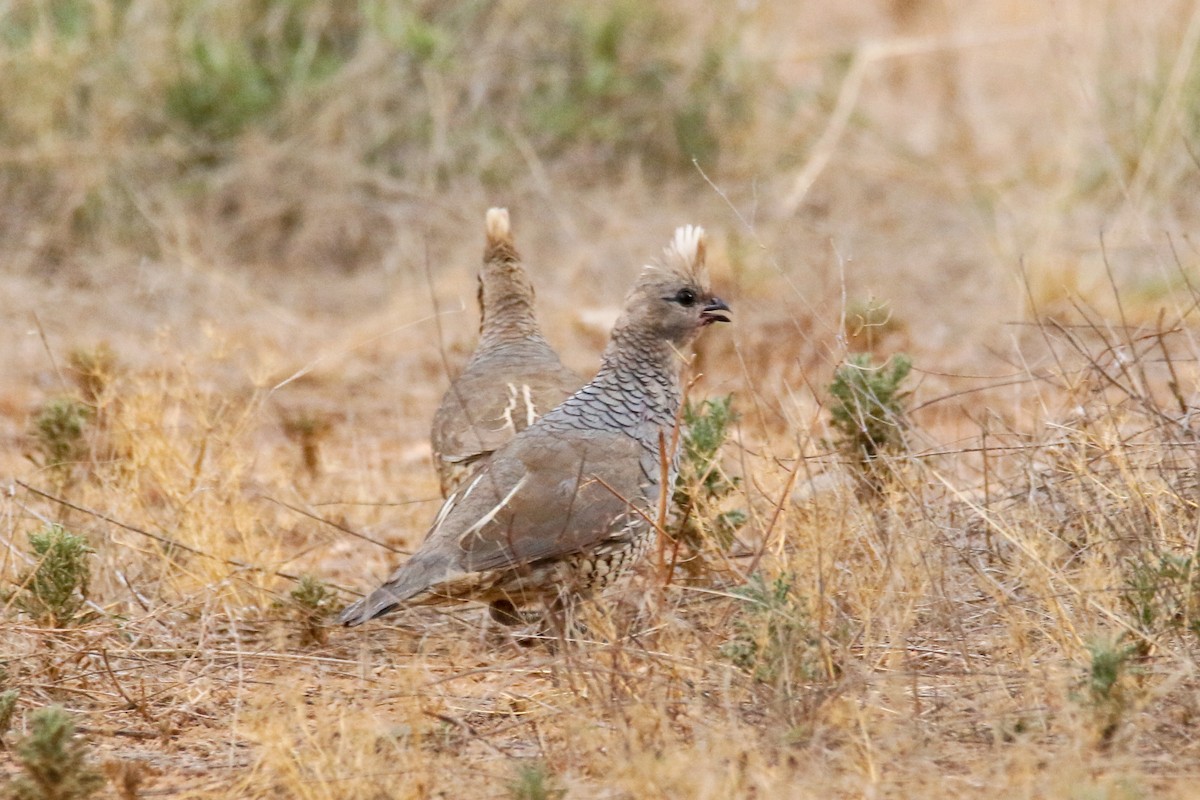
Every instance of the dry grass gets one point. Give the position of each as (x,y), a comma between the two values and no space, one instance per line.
(254,303)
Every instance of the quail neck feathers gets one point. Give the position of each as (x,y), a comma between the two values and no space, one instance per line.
(513,376)
(568,504)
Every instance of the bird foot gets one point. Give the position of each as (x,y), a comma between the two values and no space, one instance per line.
(530,628)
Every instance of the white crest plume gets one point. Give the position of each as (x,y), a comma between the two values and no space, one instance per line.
(686,252)
(498,229)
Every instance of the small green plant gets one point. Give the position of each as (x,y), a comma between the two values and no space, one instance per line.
(311,601)
(8,706)
(224,90)
(54,763)
(615,81)
(1164,594)
(774,640)
(534,782)
(1106,690)
(702,485)
(1107,663)
(238,63)
(54,591)
(63,20)
(58,430)
(868,407)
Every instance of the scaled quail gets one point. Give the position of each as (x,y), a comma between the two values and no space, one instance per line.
(566,506)
(513,376)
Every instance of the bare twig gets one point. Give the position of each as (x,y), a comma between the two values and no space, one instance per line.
(336,526)
(165,540)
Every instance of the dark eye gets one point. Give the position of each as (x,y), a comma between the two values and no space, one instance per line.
(685,297)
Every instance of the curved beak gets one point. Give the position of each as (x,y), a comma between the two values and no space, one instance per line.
(715,311)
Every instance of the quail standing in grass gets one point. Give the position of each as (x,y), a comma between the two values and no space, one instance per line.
(570,503)
(513,376)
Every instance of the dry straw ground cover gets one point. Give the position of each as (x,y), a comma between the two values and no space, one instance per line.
(238,245)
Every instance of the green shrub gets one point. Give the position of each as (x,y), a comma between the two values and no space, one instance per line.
(609,82)
(60,19)
(8,706)
(54,591)
(237,63)
(54,763)
(1106,689)
(58,430)
(533,782)
(702,485)
(312,600)
(868,407)
(1164,594)
(774,639)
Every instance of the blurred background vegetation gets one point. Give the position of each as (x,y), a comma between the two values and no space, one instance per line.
(919,175)
(204,125)
(139,124)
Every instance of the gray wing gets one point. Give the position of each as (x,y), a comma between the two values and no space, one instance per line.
(540,496)
(481,413)
(550,497)
(487,406)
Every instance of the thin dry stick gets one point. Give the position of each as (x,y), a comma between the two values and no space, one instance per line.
(663,478)
(300,373)
(779,505)
(1131,393)
(823,150)
(166,540)
(1116,292)
(866,54)
(336,526)
(126,732)
(987,487)
(49,353)
(1023,547)
(632,507)
(135,705)
(1041,327)
(1172,384)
